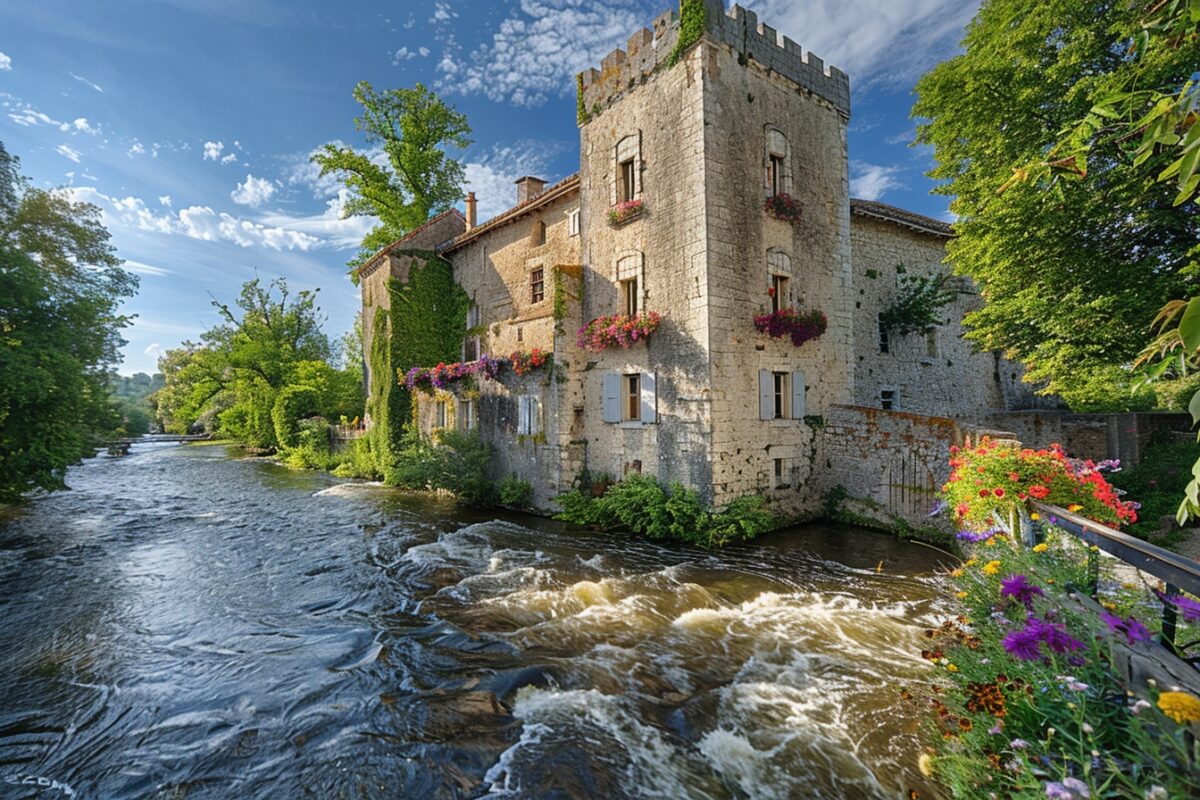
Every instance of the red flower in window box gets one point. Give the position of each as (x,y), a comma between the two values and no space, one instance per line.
(622,212)
(800,326)
(618,330)
(783,206)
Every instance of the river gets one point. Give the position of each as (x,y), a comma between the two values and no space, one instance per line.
(184,623)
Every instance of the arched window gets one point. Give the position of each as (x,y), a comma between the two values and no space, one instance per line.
(627,184)
(537,236)
(630,282)
(777,164)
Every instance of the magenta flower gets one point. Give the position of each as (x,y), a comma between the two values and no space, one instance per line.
(1023,644)
(1026,643)
(1019,589)
(1133,630)
(1189,607)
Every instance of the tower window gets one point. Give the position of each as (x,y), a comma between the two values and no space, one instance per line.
(781,395)
(625,189)
(537,285)
(633,397)
(629,296)
(775,174)
(779,292)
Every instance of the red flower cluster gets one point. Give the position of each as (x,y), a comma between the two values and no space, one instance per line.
(783,206)
(619,330)
(525,363)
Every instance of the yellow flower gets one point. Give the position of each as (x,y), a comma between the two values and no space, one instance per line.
(925,765)
(1180,706)
(1041,548)
(957,573)
(1074,507)
(951,668)
(970,562)
(991,568)
(961,595)
(1035,516)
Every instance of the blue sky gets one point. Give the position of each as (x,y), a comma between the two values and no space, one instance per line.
(189,122)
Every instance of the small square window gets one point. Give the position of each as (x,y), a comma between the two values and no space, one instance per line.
(625,188)
(781,395)
(779,292)
(629,296)
(633,397)
(889,399)
(537,285)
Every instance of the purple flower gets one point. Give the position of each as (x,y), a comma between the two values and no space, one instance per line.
(1069,789)
(1019,589)
(1024,644)
(1189,607)
(1133,630)
(1054,635)
(1018,744)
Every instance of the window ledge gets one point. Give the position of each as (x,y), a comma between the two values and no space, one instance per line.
(632,424)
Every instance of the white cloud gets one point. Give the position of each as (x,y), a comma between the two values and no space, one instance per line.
(229,159)
(875,43)
(27,116)
(537,50)
(165,200)
(153,349)
(80,125)
(68,151)
(145,269)
(136,150)
(84,80)
(871,181)
(424,51)
(330,225)
(904,137)
(5,62)
(403,54)
(212,150)
(253,191)
(442,13)
(493,175)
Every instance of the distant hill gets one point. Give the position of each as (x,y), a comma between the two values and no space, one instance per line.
(130,395)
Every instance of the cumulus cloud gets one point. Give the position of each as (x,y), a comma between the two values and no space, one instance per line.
(540,47)
(5,62)
(890,43)
(212,150)
(229,159)
(253,191)
(86,82)
(492,175)
(69,152)
(442,13)
(136,150)
(164,200)
(871,181)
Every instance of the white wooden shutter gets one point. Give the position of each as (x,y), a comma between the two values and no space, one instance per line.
(535,415)
(523,415)
(766,395)
(649,398)
(798,392)
(611,410)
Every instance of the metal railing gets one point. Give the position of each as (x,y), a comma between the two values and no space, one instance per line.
(1178,573)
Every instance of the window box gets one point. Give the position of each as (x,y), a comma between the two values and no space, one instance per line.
(448,376)
(783,206)
(623,212)
(523,363)
(618,330)
(800,326)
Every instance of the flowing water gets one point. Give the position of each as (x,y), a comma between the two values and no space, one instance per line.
(187,624)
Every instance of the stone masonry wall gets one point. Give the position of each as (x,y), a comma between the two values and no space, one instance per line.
(662,122)
(743,103)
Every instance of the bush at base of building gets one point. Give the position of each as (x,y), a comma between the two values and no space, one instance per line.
(638,504)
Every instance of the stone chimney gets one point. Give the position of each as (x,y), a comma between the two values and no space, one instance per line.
(528,188)
(471,210)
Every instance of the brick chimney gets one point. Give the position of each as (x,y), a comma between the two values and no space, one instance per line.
(528,188)
(471,210)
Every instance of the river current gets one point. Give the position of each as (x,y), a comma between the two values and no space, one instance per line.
(185,623)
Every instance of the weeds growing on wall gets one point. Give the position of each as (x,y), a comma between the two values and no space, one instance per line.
(692,20)
(640,505)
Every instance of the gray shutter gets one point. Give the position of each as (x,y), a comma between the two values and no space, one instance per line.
(766,395)
(535,415)
(637,167)
(798,409)
(649,398)
(611,397)
(523,415)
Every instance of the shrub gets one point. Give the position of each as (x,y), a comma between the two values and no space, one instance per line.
(459,465)
(1158,480)
(638,504)
(291,405)
(515,493)
(357,461)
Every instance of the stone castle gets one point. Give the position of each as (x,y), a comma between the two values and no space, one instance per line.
(683,145)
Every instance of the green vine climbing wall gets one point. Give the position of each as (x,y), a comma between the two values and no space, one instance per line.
(692,20)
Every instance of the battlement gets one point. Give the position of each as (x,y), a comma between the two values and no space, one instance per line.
(649,49)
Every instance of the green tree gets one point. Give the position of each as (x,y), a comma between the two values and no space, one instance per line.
(412,128)
(1071,277)
(60,289)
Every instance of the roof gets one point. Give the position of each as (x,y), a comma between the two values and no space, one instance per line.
(564,187)
(370,264)
(898,216)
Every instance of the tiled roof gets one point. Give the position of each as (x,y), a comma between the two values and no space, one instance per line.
(564,187)
(907,219)
(374,261)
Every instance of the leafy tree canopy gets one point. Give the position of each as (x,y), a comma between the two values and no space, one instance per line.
(1072,277)
(409,176)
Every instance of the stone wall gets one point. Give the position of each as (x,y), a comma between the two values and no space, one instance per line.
(1095,436)
(660,123)
(747,106)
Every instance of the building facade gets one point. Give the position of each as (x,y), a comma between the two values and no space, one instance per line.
(683,148)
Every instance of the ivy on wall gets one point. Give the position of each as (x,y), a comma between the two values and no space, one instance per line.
(582,116)
(425,326)
(692,20)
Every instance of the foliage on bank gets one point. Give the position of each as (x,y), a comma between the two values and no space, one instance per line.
(640,505)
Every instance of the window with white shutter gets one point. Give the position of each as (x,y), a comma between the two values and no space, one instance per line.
(611,397)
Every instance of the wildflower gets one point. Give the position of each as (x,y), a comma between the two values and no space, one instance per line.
(984,492)
(1139,706)
(991,568)
(1180,706)
(999,492)
(925,765)
(965,724)
(1189,607)
(1041,548)
(1133,630)
(1024,644)
(1014,477)
(1019,588)
(1038,492)
(1035,516)
(996,729)
(1156,793)
(1074,507)
(1072,684)
(961,595)
(1018,744)
(951,668)
(1088,729)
